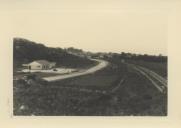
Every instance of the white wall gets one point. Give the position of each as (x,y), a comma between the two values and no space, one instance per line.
(35,66)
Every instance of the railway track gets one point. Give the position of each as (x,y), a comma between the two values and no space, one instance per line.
(158,81)
(155,75)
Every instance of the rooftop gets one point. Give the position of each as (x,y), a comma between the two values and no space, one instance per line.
(45,62)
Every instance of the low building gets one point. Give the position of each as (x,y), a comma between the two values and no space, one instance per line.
(40,65)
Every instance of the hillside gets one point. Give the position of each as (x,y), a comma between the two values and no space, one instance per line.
(26,51)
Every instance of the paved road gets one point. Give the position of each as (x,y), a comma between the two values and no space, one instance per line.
(158,81)
(102,64)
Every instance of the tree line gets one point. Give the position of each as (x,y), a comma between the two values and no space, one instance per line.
(25,51)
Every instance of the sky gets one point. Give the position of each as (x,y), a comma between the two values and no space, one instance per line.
(97,26)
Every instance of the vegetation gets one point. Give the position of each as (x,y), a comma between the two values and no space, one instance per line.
(116,90)
(92,95)
(26,51)
(140,57)
(157,64)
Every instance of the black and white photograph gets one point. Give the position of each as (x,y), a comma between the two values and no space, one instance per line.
(99,61)
(90,63)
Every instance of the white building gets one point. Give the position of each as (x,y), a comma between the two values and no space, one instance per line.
(40,65)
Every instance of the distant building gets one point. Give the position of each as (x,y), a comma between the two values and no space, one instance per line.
(40,65)
(101,56)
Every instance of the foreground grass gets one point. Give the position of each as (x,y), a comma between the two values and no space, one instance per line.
(56,99)
(136,96)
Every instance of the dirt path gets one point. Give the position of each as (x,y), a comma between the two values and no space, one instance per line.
(102,64)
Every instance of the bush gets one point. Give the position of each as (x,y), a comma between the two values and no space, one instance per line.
(31,76)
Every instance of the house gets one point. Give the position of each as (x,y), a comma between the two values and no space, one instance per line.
(40,65)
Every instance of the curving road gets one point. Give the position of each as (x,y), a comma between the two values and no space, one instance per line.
(102,64)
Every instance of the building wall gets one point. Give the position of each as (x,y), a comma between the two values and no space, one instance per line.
(45,67)
(51,65)
(35,66)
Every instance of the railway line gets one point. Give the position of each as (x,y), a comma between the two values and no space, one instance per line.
(158,81)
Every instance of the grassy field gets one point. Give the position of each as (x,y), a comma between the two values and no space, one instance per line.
(81,96)
(56,99)
(140,97)
(39,74)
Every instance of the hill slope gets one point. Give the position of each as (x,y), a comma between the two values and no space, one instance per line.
(26,51)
